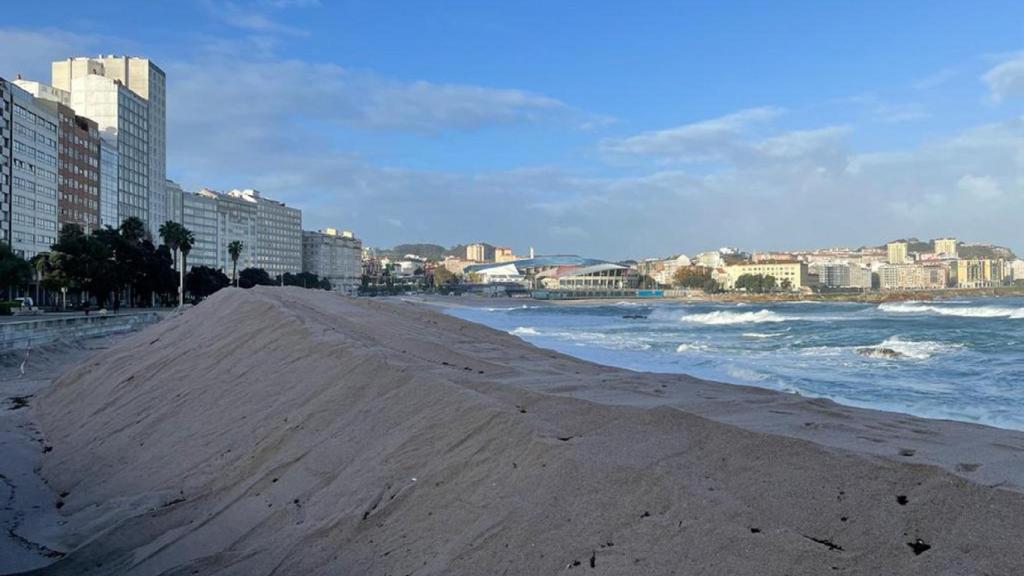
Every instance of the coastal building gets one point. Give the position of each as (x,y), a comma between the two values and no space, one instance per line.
(109,162)
(1017,269)
(503,254)
(503,273)
(334,255)
(199,215)
(897,252)
(147,114)
(6,130)
(122,118)
(945,247)
(78,157)
(839,275)
(476,252)
(34,180)
(791,273)
(979,273)
(774,257)
(598,277)
(173,194)
(665,276)
(236,221)
(913,276)
(278,246)
(455,265)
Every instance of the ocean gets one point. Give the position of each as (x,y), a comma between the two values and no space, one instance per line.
(952,359)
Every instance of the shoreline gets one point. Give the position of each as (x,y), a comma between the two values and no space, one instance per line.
(876,417)
(410,441)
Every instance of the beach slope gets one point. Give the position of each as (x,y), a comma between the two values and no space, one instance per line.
(286,431)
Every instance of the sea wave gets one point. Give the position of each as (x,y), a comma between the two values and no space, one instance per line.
(762,334)
(525,331)
(723,317)
(896,347)
(690,347)
(944,310)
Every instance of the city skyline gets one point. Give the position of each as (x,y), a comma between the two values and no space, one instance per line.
(611,137)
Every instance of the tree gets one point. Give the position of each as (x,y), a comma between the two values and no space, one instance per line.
(180,240)
(442,276)
(235,250)
(14,270)
(202,281)
(756,283)
(691,276)
(88,261)
(786,284)
(133,229)
(254,277)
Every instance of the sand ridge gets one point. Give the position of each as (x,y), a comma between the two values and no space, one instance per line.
(284,431)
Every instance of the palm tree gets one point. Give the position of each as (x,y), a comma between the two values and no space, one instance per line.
(170,232)
(134,230)
(235,250)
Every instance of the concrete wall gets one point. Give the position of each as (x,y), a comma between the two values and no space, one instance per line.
(21,334)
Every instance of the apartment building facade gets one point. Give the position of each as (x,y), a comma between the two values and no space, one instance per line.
(6,143)
(34,179)
(795,272)
(278,244)
(199,214)
(146,114)
(334,255)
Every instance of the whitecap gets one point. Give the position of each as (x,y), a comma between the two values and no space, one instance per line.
(945,310)
(525,331)
(896,347)
(722,317)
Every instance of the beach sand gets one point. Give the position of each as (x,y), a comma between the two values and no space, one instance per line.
(285,431)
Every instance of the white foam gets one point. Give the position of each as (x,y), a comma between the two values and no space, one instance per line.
(525,331)
(691,347)
(722,317)
(914,349)
(946,310)
(761,334)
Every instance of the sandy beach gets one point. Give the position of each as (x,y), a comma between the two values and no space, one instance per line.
(286,431)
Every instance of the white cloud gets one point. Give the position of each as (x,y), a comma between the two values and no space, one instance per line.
(935,80)
(252,17)
(705,140)
(1006,79)
(980,187)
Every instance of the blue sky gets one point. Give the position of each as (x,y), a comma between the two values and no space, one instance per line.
(608,129)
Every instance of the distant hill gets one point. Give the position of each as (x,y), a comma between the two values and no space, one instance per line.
(963,250)
(431,251)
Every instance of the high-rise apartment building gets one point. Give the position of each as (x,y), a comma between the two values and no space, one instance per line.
(897,252)
(173,195)
(476,252)
(334,255)
(199,215)
(78,158)
(946,247)
(6,117)
(109,162)
(145,116)
(278,246)
(236,220)
(34,151)
(123,120)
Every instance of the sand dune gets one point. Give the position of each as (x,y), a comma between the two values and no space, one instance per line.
(283,431)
